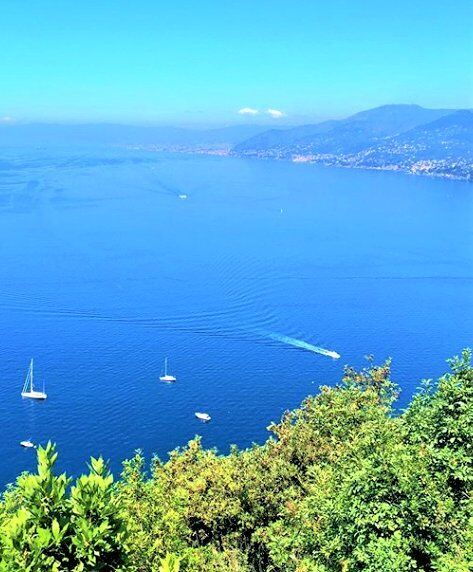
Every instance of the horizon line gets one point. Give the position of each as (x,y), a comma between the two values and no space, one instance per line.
(285,121)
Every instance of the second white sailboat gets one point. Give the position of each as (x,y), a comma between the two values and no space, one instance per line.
(167,377)
(28,387)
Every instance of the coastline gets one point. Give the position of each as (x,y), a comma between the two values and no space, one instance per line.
(425,168)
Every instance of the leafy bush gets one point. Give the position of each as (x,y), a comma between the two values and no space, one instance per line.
(44,525)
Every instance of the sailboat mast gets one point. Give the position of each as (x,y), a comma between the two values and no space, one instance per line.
(31,375)
(165,366)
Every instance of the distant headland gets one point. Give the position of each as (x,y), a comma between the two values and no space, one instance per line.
(406,138)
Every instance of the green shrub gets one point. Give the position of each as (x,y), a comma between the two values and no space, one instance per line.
(47,526)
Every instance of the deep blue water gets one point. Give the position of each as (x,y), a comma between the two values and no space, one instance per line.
(104,270)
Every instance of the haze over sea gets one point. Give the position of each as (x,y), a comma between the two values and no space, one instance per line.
(105,271)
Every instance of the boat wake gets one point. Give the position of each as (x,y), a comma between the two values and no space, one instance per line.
(301,344)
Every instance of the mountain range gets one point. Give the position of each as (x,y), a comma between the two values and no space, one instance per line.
(408,138)
(393,137)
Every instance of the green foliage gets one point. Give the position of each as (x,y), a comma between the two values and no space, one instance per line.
(441,418)
(344,484)
(46,527)
(170,563)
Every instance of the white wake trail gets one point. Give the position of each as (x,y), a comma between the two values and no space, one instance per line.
(300,344)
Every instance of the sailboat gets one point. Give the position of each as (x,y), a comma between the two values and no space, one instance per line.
(166,377)
(28,388)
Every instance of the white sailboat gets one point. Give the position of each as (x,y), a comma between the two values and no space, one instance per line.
(28,388)
(166,377)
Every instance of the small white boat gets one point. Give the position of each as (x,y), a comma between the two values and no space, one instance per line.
(28,388)
(166,377)
(203,417)
(183,196)
(27,444)
(333,355)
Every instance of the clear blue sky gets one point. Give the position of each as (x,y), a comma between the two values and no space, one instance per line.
(201,61)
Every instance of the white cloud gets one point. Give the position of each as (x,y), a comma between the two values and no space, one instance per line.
(6,119)
(248,111)
(275,113)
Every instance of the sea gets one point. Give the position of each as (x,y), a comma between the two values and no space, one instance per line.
(238,271)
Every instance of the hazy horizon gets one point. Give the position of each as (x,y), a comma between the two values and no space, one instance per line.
(239,122)
(270,63)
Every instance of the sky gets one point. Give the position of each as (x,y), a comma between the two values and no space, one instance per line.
(215,61)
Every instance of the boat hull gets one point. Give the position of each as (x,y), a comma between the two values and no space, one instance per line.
(34,395)
(27,444)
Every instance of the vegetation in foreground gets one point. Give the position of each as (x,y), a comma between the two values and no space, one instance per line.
(343,484)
